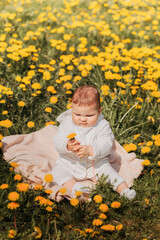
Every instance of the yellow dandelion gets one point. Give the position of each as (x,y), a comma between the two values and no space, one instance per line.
(13,205)
(136,136)
(130,147)
(43,201)
(97,222)
(119,227)
(151,119)
(78,193)
(46,75)
(4,186)
(38,187)
(146,201)
(74,202)
(105,89)
(121,84)
(97,198)
(48,191)
(11,233)
(102,216)
(103,207)
(14,164)
(13,196)
(1,137)
(38,198)
(48,109)
(50,89)
(21,104)
(145,149)
(69,105)
(94,233)
(22,187)
(48,178)
(49,209)
(6,123)
(5,112)
(146,162)
(115,205)
(71,136)
(67,85)
(63,190)
(50,123)
(108,227)
(149,143)
(38,232)
(30,124)
(17,177)
(53,99)
(88,230)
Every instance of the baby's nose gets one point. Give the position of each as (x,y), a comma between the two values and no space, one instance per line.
(83,119)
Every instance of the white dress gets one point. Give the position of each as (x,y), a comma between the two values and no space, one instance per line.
(70,166)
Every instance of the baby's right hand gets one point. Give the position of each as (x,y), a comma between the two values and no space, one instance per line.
(73,145)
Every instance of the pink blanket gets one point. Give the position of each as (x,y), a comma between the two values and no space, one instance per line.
(36,156)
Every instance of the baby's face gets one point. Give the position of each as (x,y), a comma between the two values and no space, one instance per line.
(85,116)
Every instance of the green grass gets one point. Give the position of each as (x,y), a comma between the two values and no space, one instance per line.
(105,35)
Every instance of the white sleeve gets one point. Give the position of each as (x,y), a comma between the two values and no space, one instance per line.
(60,139)
(103,142)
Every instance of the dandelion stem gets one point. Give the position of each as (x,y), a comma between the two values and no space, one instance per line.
(15,224)
(55,226)
(6,131)
(132,128)
(128,112)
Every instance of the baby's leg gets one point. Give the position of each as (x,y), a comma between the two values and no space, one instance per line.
(61,174)
(117,181)
(112,176)
(69,184)
(63,177)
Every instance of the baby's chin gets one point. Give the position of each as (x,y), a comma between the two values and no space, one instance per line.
(85,125)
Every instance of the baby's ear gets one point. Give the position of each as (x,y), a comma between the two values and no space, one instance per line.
(100,110)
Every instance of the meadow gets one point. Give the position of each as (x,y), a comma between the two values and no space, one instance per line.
(47,50)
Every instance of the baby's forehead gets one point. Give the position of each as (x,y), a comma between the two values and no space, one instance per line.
(86,108)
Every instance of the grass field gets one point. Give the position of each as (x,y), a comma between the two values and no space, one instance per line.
(47,50)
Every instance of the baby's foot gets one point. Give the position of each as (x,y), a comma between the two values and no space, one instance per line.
(128,193)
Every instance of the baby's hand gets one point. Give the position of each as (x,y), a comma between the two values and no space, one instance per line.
(73,145)
(84,150)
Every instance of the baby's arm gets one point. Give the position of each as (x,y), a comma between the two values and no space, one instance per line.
(83,150)
(73,145)
(104,141)
(60,138)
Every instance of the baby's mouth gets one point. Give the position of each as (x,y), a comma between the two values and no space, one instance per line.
(84,124)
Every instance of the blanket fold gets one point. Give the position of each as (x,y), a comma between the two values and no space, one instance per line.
(36,156)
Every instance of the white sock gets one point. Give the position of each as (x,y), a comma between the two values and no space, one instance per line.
(128,193)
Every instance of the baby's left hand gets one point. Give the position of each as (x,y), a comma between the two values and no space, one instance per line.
(84,150)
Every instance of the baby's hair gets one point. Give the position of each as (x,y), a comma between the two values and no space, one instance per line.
(86,96)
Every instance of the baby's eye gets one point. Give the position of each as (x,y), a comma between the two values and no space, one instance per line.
(89,115)
(77,115)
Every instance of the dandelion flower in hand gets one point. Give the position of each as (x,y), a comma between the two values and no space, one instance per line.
(71,136)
